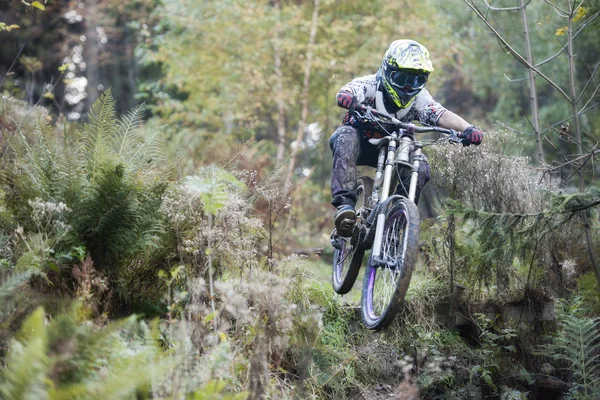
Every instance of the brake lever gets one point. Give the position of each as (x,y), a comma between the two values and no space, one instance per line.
(455,137)
(364,112)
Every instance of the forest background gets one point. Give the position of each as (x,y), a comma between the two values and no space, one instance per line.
(170,234)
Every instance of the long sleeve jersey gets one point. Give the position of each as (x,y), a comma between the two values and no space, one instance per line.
(366,91)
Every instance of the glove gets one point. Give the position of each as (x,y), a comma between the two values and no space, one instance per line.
(472,135)
(346,100)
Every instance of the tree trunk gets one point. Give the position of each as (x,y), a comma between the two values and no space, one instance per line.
(305,92)
(281,134)
(131,66)
(586,220)
(326,133)
(91,51)
(535,116)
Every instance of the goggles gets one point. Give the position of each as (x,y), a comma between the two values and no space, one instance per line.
(402,80)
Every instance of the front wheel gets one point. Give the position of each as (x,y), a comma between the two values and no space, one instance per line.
(386,279)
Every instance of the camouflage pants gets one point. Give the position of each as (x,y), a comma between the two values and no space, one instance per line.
(351,148)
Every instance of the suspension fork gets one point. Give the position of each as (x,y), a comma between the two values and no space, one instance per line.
(414,176)
(385,191)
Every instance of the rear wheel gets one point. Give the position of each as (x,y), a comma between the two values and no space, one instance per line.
(386,280)
(349,253)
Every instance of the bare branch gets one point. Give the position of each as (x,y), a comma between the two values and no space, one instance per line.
(581,112)
(559,10)
(577,32)
(585,24)
(564,47)
(13,64)
(573,161)
(588,83)
(500,8)
(505,8)
(515,80)
(576,6)
(589,108)
(515,54)
(551,57)
(588,157)
(593,94)
(555,149)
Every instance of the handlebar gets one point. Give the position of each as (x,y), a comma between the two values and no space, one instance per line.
(367,112)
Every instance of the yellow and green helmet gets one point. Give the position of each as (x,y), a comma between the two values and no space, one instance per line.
(404,71)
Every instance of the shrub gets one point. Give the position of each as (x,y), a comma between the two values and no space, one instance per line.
(101,190)
(504,224)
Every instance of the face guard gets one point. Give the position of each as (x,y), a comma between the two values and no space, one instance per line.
(403,86)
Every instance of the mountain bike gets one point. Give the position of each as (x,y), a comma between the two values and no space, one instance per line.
(386,224)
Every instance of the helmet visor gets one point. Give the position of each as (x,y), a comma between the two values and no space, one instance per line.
(407,82)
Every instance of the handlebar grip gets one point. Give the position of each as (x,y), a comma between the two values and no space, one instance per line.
(360,107)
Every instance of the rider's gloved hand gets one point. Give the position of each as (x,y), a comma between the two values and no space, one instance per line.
(346,100)
(472,135)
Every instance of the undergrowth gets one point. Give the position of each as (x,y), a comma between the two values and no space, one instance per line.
(97,225)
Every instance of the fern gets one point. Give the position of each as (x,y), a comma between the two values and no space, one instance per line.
(99,133)
(66,359)
(111,178)
(27,362)
(576,344)
(212,186)
(128,126)
(9,286)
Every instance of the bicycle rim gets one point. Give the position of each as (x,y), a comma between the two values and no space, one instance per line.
(385,284)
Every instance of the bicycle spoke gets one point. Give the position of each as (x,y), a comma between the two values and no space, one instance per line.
(388,274)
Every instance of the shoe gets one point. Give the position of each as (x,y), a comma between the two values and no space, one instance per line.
(345,219)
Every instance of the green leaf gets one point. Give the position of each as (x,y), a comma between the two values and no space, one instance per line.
(53,266)
(38,5)
(488,379)
(210,317)
(177,271)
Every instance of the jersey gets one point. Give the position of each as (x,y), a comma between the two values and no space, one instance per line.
(366,91)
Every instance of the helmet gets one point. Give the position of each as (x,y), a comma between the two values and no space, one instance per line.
(404,71)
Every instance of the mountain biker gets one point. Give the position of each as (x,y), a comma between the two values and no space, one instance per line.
(397,89)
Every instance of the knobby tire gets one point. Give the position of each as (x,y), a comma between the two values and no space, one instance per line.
(393,280)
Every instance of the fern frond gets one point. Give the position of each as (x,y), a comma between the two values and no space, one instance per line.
(99,132)
(13,282)
(27,362)
(577,344)
(126,136)
(149,153)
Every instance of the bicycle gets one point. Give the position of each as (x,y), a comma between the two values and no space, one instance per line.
(387,225)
